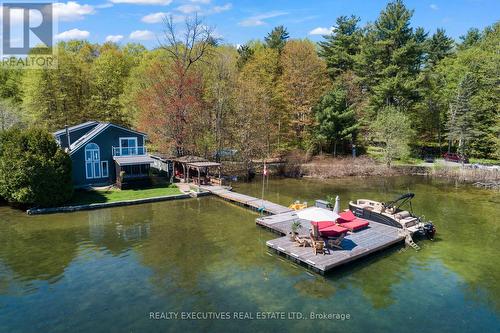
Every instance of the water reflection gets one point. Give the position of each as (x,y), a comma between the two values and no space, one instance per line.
(115,265)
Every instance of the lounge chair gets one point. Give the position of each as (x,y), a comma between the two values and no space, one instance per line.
(350,221)
(335,241)
(301,241)
(329,229)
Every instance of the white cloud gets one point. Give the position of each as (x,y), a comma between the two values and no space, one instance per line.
(321,31)
(260,19)
(205,2)
(220,9)
(154,17)
(114,38)
(144,2)
(434,6)
(188,9)
(141,35)
(71,11)
(73,34)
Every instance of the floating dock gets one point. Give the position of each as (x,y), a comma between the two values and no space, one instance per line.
(355,245)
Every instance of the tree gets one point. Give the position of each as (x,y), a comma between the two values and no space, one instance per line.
(340,47)
(304,81)
(245,52)
(439,46)
(482,60)
(277,38)
(54,98)
(393,129)
(472,37)
(108,74)
(174,94)
(391,58)
(34,170)
(461,118)
(9,115)
(262,73)
(249,123)
(335,119)
(220,93)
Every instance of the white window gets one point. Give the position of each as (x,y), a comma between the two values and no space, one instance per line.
(104,167)
(128,146)
(92,161)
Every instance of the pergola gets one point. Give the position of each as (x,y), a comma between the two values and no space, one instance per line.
(200,164)
(205,165)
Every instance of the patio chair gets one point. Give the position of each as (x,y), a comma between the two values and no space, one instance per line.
(336,241)
(301,241)
(317,243)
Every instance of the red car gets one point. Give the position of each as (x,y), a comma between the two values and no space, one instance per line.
(453,157)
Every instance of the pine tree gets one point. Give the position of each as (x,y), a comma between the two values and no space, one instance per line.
(439,46)
(461,117)
(335,119)
(340,47)
(245,52)
(277,38)
(391,58)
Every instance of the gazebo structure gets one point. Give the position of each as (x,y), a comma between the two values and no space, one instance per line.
(196,169)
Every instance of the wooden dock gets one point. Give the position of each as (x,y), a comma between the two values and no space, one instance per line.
(355,245)
(244,200)
(375,237)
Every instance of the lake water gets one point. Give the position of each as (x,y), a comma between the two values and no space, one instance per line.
(106,270)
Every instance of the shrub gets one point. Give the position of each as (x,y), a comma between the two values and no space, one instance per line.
(34,170)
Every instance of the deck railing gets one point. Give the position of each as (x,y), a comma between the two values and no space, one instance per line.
(129,151)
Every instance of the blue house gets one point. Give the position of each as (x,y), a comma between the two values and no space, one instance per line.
(105,153)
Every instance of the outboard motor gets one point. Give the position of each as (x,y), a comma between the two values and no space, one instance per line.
(429,230)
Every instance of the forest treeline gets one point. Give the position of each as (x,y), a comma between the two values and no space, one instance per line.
(386,83)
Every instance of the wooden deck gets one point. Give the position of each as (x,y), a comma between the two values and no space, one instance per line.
(355,245)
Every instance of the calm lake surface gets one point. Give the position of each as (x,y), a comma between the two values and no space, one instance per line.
(106,270)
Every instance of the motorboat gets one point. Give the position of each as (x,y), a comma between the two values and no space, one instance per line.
(391,214)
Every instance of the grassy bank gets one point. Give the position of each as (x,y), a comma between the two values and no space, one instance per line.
(82,197)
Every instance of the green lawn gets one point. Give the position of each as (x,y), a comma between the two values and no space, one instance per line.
(82,197)
(484,161)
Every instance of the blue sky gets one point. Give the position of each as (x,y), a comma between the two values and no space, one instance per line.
(238,21)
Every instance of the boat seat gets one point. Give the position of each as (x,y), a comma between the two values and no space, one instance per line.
(409,221)
(402,215)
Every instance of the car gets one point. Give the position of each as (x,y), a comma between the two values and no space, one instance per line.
(453,157)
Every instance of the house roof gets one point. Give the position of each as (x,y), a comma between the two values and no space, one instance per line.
(75,128)
(94,132)
(203,164)
(133,160)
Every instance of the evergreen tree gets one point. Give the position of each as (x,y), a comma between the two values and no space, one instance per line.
(391,58)
(439,46)
(245,52)
(461,117)
(472,37)
(339,48)
(277,38)
(335,119)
